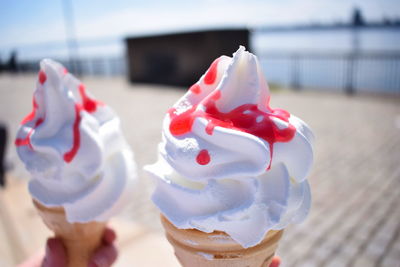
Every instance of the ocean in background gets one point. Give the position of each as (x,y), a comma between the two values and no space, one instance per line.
(364,58)
(325,59)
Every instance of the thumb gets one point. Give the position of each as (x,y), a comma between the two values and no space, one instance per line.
(104,256)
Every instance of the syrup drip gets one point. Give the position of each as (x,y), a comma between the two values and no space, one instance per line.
(195,88)
(203,158)
(211,74)
(42,77)
(88,104)
(246,118)
(31,115)
(69,156)
(27,140)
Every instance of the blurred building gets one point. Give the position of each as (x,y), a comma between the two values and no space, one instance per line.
(179,59)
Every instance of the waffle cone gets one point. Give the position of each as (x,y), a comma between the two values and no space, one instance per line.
(194,248)
(79,239)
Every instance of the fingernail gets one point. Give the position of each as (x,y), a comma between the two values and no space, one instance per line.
(276,261)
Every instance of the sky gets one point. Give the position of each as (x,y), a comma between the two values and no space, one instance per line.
(27,22)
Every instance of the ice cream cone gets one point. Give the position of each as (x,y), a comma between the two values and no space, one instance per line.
(79,239)
(217,249)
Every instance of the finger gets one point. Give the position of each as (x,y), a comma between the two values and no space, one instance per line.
(276,261)
(109,236)
(104,257)
(55,254)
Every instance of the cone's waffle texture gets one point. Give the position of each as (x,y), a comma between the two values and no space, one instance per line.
(79,239)
(194,248)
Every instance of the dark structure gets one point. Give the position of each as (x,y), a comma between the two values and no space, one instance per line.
(357,18)
(3,143)
(12,62)
(11,65)
(181,58)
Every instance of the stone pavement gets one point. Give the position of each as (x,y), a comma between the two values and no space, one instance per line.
(355,217)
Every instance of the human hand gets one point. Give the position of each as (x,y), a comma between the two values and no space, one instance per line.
(56,255)
(105,256)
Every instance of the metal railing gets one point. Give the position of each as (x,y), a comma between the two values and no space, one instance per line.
(349,72)
(337,71)
(98,66)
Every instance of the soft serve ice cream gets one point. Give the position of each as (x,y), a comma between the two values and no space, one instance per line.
(229,162)
(74,149)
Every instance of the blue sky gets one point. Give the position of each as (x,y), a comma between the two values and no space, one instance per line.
(24,22)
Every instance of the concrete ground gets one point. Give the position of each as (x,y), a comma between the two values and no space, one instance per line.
(355,217)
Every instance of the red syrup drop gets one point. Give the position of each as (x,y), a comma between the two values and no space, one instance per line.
(90,105)
(211,74)
(42,77)
(203,158)
(246,118)
(195,89)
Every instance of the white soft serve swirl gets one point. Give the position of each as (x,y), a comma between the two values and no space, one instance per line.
(96,183)
(235,192)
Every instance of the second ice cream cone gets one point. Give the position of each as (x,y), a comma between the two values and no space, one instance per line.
(217,249)
(79,239)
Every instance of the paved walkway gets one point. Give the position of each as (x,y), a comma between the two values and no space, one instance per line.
(355,217)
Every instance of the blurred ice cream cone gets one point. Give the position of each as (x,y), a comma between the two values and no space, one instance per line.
(79,239)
